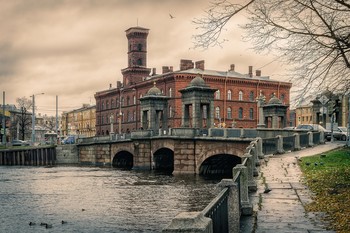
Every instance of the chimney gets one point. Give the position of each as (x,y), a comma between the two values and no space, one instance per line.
(258,73)
(200,65)
(186,64)
(171,69)
(119,84)
(154,71)
(232,67)
(165,69)
(250,71)
(110,86)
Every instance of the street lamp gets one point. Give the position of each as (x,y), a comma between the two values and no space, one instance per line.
(33,117)
(120,112)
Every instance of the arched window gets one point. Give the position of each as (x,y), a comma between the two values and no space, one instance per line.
(117,102)
(134,116)
(282,98)
(229,95)
(217,112)
(139,62)
(139,47)
(240,113)
(240,95)
(141,96)
(134,99)
(251,96)
(217,94)
(170,92)
(107,104)
(103,105)
(229,113)
(122,102)
(205,112)
(112,103)
(127,101)
(251,114)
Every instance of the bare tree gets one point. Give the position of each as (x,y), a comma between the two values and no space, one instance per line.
(24,117)
(311,36)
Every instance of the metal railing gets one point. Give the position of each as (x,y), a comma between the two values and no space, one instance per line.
(217,210)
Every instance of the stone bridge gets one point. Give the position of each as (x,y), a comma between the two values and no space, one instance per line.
(171,154)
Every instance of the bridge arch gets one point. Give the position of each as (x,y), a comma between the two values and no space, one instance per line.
(219,165)
(123,159)
(163,160)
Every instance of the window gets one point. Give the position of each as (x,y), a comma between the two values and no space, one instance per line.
(170,92)
(217,94)
(251,96)
(282,98)
(134,99)
(229,113)
(103,105)
(251,114)
(240,95)
(170,112)
(117,102)
(229,95)
(139,62)
(205,112)
(240,113)
(112,103)
(107,104)
(122,102)
(134,116)
(127,101)
(139,47)
(141,96)
(217,112)
(127,116)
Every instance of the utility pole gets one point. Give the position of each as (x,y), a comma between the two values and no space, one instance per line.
(3,119)
(56,115)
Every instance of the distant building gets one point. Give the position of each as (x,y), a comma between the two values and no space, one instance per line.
(79,121)
(235,99)
(304,112)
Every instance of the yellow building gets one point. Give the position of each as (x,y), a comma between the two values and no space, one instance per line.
(80,121)
(303,114)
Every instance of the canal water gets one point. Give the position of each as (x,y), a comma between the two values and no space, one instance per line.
(96,199)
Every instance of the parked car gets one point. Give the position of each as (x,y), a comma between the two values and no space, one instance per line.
(20,143)
(315,127)
(68,140)
(340,133)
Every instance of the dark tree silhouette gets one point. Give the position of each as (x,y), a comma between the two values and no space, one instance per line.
(311,36)
(24,117)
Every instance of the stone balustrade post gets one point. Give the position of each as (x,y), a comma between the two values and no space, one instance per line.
(322,139)
(280,144)
(242,133)
(234,213)
(297,141)
(311,139)
(225,132)
(190,222)
(246,206)
(260,148)
(209,132)
(252,186)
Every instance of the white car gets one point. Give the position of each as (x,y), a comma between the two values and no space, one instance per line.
(340,133)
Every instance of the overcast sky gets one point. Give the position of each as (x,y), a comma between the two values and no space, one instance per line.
(74,48)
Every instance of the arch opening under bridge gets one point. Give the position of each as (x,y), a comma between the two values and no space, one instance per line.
(163,160)
(219,166)
(123,160)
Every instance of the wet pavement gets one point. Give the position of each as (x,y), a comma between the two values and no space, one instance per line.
(281,196)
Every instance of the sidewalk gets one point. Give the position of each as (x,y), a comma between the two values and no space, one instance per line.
(282,209)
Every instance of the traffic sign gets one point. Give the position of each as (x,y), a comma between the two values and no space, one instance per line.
(323,99)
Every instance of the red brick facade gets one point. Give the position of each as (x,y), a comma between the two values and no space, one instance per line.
(234,104)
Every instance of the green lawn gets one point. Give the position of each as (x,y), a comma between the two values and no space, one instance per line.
(328,176)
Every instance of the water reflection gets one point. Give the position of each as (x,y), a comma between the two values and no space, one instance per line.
(96,199)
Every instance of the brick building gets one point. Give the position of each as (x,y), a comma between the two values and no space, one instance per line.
(235,99)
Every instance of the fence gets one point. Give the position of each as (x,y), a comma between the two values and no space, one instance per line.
(29,157)
(222,215)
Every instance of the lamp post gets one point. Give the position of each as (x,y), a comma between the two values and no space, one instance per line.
(120,112)
(33,117)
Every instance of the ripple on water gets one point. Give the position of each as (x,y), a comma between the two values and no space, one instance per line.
(96,199)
